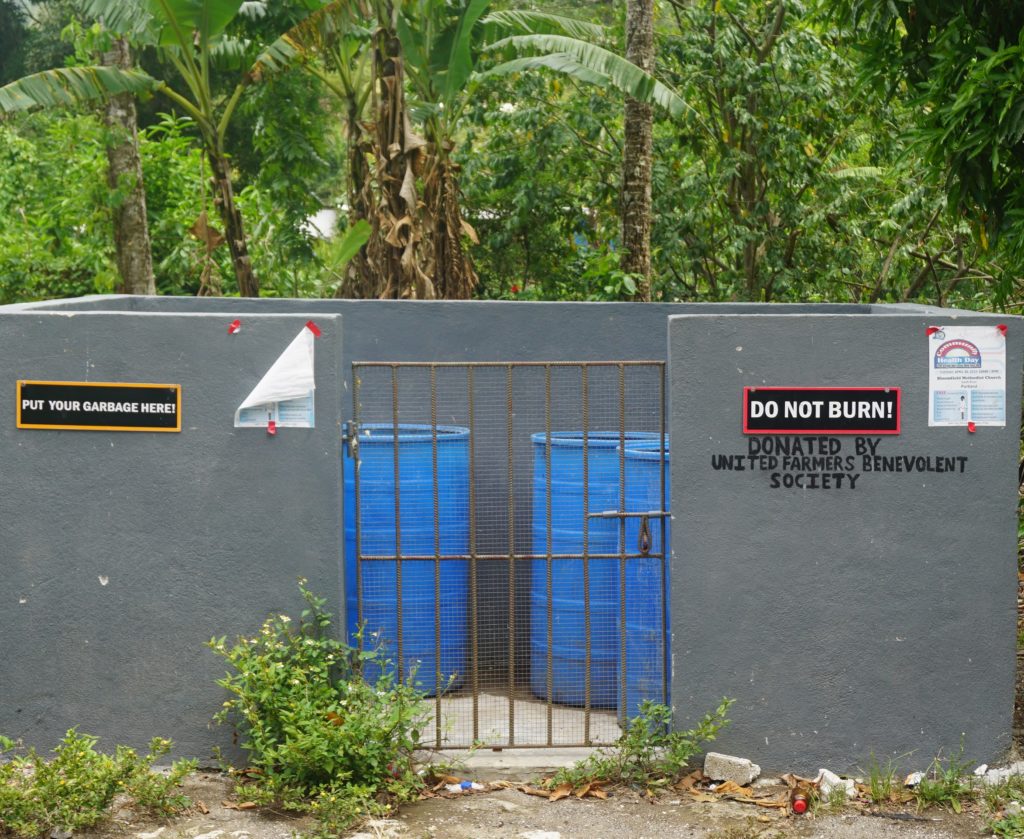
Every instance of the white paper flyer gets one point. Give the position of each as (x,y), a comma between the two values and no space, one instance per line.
(284,395)
(967,376)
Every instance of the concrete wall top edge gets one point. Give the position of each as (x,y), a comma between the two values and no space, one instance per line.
(900,312)
(88,313)
(136,303)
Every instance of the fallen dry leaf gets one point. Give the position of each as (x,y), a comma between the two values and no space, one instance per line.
(732,788)
(597,792)
(560,792)
(691,779)
(793,781)
(775,803)
(202,808)
(583,790)
(701,796)
(540,793)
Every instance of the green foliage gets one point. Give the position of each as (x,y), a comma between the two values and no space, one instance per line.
(337,252)
(589,63)
(946,784)
(961,68)
(540,185)
(13,31)
(1008,826)
(321,738)
(882,780)
(70,85)
(74,789)
(55,238)
(649,753)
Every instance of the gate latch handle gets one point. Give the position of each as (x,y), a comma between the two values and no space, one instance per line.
(350,437)
(645,536)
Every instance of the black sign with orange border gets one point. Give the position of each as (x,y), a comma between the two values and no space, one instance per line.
(99,406)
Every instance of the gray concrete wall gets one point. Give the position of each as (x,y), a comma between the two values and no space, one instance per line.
(197,533)
(843,622)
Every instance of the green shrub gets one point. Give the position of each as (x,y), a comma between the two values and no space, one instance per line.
(649,751)
(319,737)
(76,787)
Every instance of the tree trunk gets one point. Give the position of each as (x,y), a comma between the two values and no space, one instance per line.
(360,279)
(395,246)
(454,277)
(124,175)
(636,157)
(231,217)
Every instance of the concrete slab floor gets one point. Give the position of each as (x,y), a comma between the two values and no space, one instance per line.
(528,718)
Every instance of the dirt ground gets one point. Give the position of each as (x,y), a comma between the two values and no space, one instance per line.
(513,814)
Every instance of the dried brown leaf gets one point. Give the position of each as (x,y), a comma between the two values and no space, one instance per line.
(732,788)
(408,189)
(412,139)
(467,228)
(560,792)
(597,792)
(205,232)
(687,783)
(540,793)
(780,803)
(583,790)
(793,781)
(202,808)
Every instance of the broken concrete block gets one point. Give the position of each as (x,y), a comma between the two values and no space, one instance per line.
(1001,775)
(719,767)
(829,781)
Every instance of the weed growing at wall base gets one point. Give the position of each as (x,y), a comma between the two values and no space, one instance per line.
(75,789)
(649,753)
(320,738)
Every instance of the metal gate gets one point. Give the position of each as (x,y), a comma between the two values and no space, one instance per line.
(505,542)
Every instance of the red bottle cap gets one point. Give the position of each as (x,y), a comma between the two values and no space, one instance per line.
(799,805)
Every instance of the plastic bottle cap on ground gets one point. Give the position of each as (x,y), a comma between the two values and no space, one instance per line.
(800,805)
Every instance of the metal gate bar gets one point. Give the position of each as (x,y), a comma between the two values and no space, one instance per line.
(513,555)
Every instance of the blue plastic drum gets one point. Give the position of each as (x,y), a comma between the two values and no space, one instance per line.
(568,644)
(646,586)
(415,500)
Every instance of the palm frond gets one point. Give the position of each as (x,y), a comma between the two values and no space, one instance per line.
(506,22)
(620,73)
(558,61)
(71,85)
(131,19)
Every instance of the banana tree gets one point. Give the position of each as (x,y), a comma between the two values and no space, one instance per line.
(365,67)
(191,36)
(339,36)
(443,45)
(405,80)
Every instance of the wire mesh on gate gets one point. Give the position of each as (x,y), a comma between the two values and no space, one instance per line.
(505,542)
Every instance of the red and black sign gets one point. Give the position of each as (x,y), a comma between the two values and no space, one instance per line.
(99,406)
(821,410)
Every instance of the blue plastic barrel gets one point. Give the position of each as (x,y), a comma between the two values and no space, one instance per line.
(646,587)
(568,644)
(415,499)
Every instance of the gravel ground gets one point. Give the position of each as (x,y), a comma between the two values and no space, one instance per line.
(511,814)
